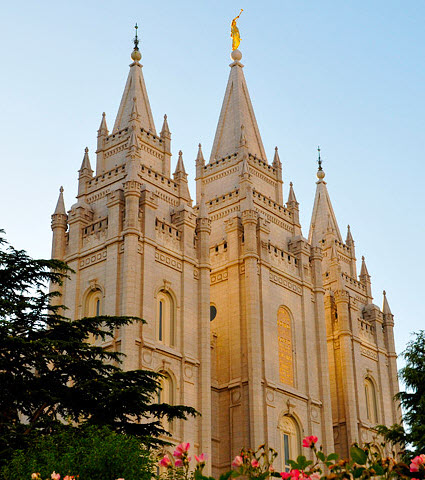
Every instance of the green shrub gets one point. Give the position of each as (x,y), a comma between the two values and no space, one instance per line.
(92,453)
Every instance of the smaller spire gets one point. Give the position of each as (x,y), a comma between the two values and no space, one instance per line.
(136,55)
(349,240)
(134,114)
(60,206)
(180,165)
(334,255)
(165,131)
(245,168)
(85,165)
(242,141)
(103,128)
(320,172)
(363,270)
(203,212)
(330,228)
(276,159)
(200,157)
(314,239)
(386,310)
(291,197)
(133,144)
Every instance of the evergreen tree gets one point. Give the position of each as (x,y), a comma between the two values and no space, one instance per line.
(50,374)
(411,437)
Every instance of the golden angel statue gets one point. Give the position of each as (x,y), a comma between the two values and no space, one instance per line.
(234,32)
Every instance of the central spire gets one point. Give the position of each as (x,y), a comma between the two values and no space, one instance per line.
(236,112)
(135,88)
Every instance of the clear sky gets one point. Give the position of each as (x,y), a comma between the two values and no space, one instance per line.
(348,75)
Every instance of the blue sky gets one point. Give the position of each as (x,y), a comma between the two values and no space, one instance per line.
(346,75)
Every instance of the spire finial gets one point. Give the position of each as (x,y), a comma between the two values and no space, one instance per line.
(136,55)
(136,39)
(61,189)
(320,172)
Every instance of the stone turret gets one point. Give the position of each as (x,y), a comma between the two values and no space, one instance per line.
(85,174)
(102,133)
(59,227)
(166,139)
(180,177)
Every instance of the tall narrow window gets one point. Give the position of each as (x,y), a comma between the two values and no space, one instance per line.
(371,403)
(165,319)
(160,321)
(284,332)
(93,304)
(290,441)
(166,395)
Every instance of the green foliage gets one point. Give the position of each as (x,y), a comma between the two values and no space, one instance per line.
(412,400)
(93,453)
(358,455)
(49,370)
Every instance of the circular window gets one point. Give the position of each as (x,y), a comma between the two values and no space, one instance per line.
(213,312)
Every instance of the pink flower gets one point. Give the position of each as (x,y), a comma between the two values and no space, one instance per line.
(181,449)
(55,476)
(285,475)
(254,463)
(238,461)
(164,462)
(315,476)
(201,459)
(417,462)
(34,476)
(178,463)
(309,442)
(271,468)
(295,474)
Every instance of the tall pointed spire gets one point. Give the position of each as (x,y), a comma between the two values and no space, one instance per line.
(135,88)
(237,111)
(60,206)
(386,307)
(323,216)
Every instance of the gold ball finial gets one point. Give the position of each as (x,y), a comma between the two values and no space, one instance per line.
(236,55)
(136,55)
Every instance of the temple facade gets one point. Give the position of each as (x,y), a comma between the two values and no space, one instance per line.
(269,334)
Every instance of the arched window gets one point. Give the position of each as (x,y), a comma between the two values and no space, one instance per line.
(165,319)
(289,441)
(93,304)
(371,403)
(284,332)
(166,395)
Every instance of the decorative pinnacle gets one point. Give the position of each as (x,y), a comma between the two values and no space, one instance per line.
(319,161)
(385,293)
(61,189)
(86,149)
